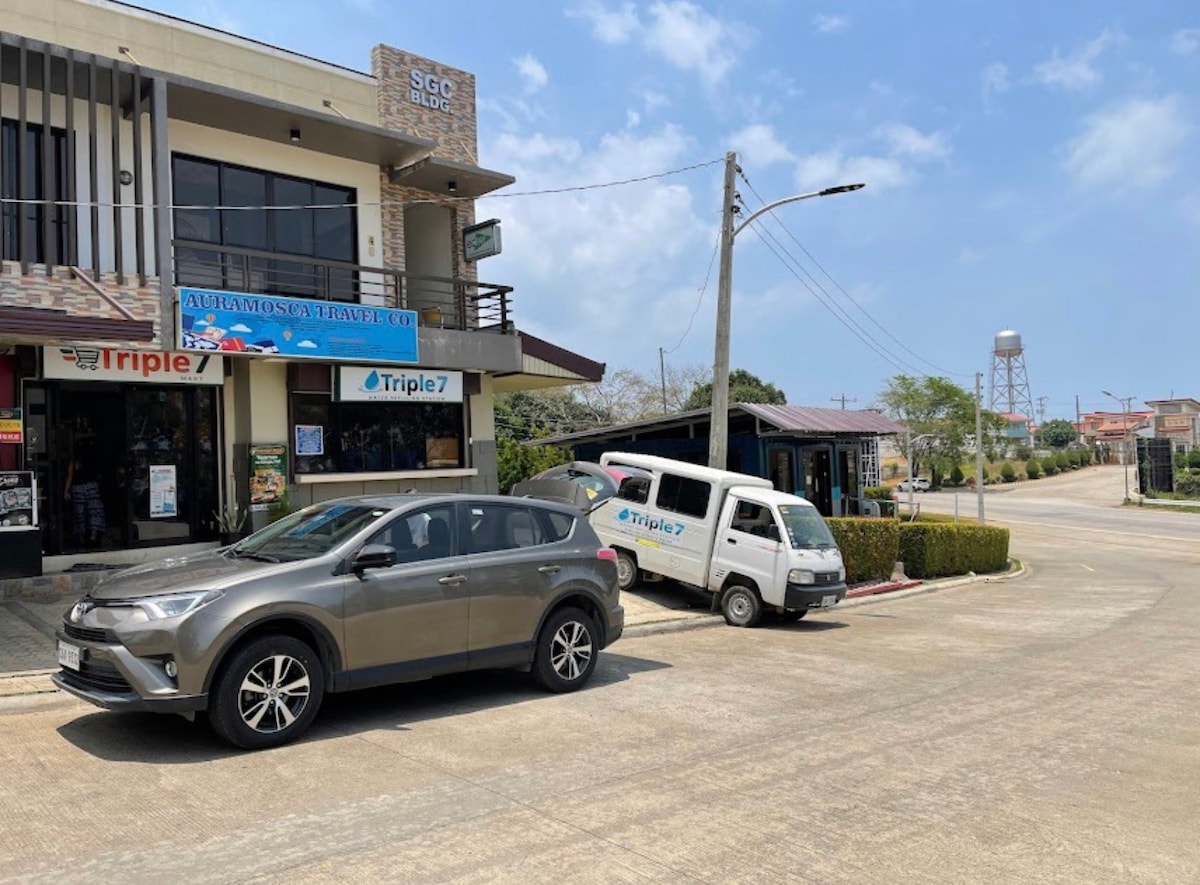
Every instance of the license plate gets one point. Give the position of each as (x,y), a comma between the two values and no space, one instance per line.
(68,655)
(827,601)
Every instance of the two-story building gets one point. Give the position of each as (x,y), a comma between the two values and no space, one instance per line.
(236,274)
(1177,420)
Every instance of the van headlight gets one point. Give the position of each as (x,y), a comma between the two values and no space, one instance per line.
(177,603)
(802,576)
(842,573)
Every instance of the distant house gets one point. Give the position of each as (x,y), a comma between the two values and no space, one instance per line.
(1017,429)
(1106,431)
(1177,420)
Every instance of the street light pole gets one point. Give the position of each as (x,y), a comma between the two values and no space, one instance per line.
(718,437)
(1126,402)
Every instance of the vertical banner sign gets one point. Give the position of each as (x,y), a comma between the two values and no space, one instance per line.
(163,496)
(18,500)
(268,476)
(11,429)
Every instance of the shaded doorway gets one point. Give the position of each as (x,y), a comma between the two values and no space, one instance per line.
(818,483)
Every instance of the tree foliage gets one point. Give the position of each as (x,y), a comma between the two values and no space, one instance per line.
(744,387)
(941,418)
(1059,433)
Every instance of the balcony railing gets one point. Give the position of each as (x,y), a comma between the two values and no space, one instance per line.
(439,301)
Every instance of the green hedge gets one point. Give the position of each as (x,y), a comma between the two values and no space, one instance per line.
(935,550)
(870,547)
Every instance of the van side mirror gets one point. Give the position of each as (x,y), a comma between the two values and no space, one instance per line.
(773,533)
(374,556)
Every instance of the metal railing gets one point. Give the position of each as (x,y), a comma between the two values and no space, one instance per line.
(445,302)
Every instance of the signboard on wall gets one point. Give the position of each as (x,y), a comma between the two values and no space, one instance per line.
(163,503)
(481,240)
(137,366)
(234,322)
(374,384)
(18,500)
(11,428)
(268,476)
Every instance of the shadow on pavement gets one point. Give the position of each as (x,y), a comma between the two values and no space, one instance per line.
(166,739)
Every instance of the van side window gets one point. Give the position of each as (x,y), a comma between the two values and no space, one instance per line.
(681,494)
(635,489)
(754,519)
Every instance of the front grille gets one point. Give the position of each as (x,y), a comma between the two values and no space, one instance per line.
(825,578)
(97,675)
(87,634)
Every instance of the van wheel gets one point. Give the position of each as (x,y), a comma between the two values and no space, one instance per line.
(567,649)
(741,607)
(627,570)
(268,694)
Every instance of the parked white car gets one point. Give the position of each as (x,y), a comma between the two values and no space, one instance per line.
(919,484)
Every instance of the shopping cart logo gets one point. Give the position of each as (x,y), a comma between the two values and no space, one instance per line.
(85,358)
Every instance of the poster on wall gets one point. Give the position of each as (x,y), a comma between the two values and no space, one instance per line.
(18,500)
(310,440)
(163,491)
(11,429)
(268,476)
(235,322)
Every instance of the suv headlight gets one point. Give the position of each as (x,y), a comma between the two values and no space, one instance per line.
(177,603)
(801,576)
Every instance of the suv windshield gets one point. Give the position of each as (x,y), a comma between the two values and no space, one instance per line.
(312,532)
(805,528)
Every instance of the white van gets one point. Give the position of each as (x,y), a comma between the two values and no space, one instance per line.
(754,548)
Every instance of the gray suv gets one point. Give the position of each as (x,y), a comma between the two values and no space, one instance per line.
(347,594)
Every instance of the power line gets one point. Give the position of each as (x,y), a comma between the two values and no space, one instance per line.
(843,290)
(87,204)
(700,300)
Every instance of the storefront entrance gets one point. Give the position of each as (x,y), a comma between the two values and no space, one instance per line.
(122,465)
(818,479)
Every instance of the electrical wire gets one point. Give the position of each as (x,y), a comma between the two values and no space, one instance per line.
(843,290)
(87,204)
(700,300)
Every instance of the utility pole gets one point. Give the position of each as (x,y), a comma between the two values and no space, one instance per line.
(1078,420)
(979,442)
(843,399)
(718,435)
(662,370)
(1041,401)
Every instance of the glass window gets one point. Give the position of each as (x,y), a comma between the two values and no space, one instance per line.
(634,488)
(244,227)
(805,527)
(755,519)
(310,533)
(501,527)
(368,437)
(293,227)
(334,228)
(34,188)
(559,525)
(681,494)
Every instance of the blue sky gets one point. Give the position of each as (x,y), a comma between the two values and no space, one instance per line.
(1028,165)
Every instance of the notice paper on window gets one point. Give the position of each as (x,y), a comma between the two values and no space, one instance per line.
(163,497)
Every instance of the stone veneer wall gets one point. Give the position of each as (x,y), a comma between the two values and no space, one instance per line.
(454,131)
(63,291)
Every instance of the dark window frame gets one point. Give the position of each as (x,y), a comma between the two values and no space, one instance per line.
(10,188)
(679,494)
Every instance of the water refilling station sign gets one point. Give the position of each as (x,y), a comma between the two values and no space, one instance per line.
(391,385)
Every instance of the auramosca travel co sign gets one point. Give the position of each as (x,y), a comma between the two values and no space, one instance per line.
(136,366)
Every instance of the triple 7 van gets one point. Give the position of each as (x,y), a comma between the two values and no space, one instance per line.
(755,549)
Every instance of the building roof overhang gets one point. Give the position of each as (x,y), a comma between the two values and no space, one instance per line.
(37,325)
(441,176)
(546,365)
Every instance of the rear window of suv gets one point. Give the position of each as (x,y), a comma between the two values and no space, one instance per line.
(560,524)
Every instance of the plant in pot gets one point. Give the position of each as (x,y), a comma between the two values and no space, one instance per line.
(231,524)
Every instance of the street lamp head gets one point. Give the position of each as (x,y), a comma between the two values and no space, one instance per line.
(1108,393)
(841,189)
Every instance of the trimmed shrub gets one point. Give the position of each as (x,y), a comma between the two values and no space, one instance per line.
(1085,457)
(1180,460)
(1049,465)
(1187,484)
(935,550)
(956,476)
(1063,462)
(1023,453)
(870,547)
(1073,457)
(1007,473)
(1033,468)
(877,493)
(1193,458)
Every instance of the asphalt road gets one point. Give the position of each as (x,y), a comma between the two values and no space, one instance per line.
(1029,730)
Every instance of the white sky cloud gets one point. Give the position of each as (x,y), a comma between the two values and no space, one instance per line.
(834,167)
(532,72)
(906,141)
(1185,41)
(1129,145)
(759,146)
(684,34)
(1076,71)
(829,24)
(994,80)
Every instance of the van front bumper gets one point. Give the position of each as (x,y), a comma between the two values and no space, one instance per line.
(806,596)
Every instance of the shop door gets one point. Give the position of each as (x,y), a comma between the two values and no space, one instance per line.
(161,482)
(851,490)
(818,484)
(781,466)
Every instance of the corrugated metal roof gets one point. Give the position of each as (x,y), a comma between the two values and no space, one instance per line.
(805,419)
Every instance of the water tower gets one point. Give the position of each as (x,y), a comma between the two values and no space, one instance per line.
(1010,383)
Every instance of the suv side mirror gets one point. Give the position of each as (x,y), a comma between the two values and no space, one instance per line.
(374,556)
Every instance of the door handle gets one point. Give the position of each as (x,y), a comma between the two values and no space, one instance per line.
(731,540)
(453,580)
(549,569)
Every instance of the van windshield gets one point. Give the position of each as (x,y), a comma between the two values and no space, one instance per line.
(805,528)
